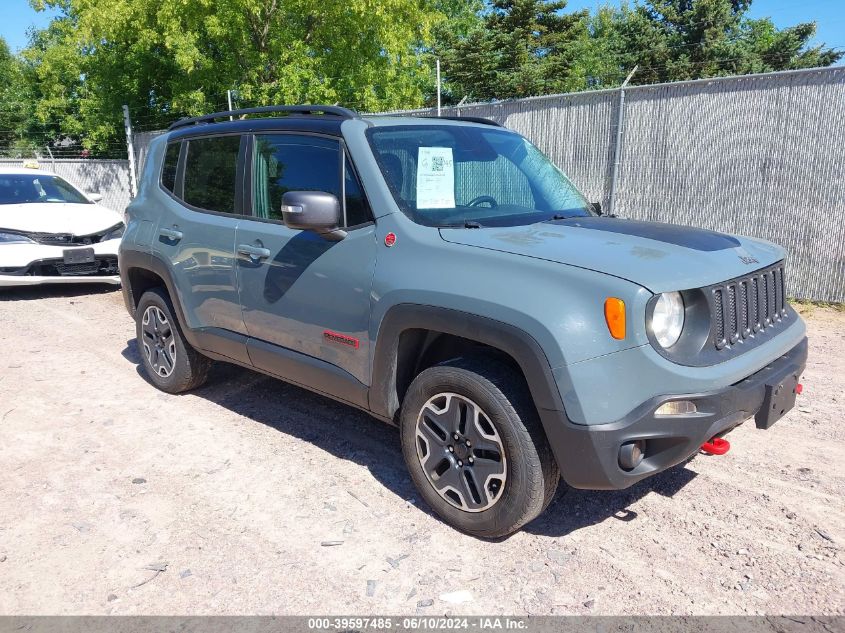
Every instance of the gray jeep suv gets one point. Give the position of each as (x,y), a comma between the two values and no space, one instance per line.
(446,277)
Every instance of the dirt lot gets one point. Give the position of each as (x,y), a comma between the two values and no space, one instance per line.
(117,498)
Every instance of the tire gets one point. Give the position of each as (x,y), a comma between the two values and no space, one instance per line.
(169,361)
(517,485)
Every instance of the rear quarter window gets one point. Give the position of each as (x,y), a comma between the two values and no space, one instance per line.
(211,173)
(168,170)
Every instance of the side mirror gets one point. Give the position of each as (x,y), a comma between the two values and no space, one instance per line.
(316,211)
(95,197)
(596,207)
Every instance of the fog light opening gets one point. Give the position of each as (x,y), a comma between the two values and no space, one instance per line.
(677,407)
(631,454)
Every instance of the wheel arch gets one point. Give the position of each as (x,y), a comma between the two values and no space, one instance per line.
(408,332)
(140,272)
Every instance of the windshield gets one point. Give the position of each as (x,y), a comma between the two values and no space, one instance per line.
(451,175)
(25,188)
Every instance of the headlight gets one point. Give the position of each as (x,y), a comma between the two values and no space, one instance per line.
(14,238)
(115,232)
(667,319)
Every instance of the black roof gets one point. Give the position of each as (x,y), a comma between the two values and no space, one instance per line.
(320,110)
(323,119)
(320,125)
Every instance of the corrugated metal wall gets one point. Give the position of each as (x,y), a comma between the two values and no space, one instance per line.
(107,177)
(757,155)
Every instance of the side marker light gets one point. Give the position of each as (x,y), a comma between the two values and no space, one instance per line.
(614,315)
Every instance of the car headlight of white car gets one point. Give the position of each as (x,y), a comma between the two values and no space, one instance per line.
(14,238)
(114,233)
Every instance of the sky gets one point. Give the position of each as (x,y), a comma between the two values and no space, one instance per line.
(17,17)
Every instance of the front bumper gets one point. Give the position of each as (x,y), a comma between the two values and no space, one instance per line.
(588,455)
(9,281)
(37,264)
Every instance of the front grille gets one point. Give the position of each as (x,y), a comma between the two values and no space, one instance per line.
(53,239)
(88,268)
(718,324)
(747,306)
(67,239)
(104,265)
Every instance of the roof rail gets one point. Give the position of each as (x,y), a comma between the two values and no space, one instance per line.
(471,119)
(343,113)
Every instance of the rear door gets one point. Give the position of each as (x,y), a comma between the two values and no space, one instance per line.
(196,231)
(299,291)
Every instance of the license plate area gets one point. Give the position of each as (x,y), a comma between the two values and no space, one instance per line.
(79,256)
(777,401)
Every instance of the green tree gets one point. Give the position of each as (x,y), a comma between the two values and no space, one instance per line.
(18,127)
(460,19)
(169,58)
(526,47)
(597,53)
(53,73)
(520,48)
(674,40)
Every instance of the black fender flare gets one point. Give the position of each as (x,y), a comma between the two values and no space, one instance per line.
(147,262)
(518,344)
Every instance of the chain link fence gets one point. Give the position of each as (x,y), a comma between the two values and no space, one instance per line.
(756,155)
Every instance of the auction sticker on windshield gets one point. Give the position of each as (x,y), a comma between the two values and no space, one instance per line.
(435,178)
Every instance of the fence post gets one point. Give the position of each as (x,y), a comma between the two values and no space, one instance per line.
(438,87)
(52,160)
(130,149)
(617,146)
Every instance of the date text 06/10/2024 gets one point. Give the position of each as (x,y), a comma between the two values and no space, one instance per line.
(417,623)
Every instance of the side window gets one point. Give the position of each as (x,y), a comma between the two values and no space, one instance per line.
(288,162)
(211,173)
(66,191)
(357,210)
(168,171)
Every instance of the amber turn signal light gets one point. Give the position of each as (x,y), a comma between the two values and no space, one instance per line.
(614,314)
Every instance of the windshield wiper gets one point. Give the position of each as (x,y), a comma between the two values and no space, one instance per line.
(472,224)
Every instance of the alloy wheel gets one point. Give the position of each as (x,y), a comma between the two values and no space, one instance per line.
(461,452)
(158,341)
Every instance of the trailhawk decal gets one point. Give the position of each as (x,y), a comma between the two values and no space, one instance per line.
(342,339)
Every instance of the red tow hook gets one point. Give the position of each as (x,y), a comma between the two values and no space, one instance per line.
(716,446)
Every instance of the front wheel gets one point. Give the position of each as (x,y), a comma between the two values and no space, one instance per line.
(475,448)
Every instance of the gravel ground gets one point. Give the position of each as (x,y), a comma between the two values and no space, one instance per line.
(253,496)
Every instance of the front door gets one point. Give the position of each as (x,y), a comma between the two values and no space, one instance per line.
(299,291)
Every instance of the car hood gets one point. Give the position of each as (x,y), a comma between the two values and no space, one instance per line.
(55,217)
(660,257)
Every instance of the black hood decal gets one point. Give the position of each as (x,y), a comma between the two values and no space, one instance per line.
(686,236)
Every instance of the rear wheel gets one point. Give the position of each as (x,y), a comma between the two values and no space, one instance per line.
(170,362)
(475,447)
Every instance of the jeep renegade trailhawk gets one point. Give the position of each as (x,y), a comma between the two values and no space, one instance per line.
(446,277)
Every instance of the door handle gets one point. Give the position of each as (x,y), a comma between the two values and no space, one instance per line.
(256,252)
(171,234)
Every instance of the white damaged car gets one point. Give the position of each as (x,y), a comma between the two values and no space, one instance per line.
(50,232)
